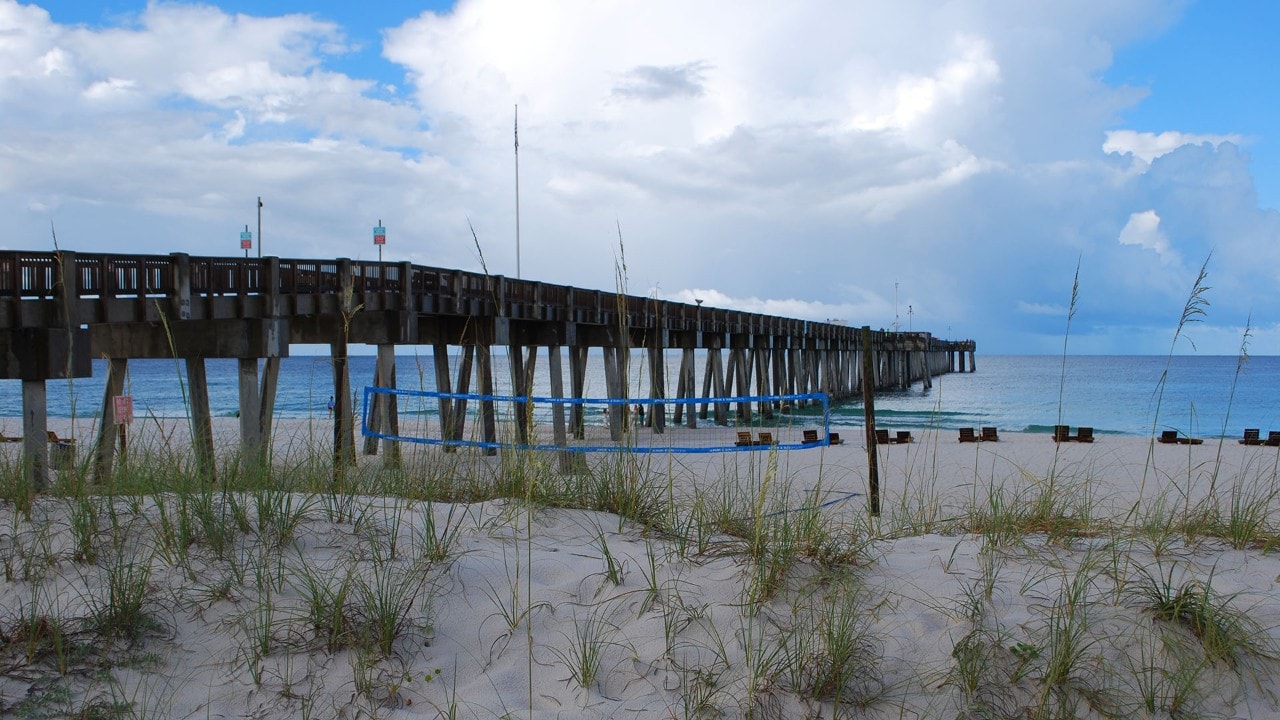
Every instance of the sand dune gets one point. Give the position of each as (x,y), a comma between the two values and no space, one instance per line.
(1012,579)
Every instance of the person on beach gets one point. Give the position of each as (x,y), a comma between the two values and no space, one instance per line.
(640,414)
(330,406)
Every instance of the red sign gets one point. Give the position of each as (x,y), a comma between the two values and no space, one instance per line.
(124,409)
(380,235)
(246,240)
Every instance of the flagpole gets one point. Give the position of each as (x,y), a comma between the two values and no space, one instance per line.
(517,151)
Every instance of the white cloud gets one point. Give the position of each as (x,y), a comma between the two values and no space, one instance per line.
(800,158)
(1148,146)
(1143,230)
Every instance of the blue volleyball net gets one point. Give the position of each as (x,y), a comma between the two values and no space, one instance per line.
(747,423)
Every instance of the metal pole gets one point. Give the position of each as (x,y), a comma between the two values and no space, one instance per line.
(517,139)
(259,228)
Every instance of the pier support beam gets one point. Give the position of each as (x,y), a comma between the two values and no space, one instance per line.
(201,418)
(35,436)
(250,424)
(344,442)
(578,385)
(267,396)
(488,419)
(108,430)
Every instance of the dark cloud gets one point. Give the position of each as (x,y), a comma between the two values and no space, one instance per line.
(650,82)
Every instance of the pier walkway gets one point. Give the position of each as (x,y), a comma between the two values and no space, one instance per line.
(58,310)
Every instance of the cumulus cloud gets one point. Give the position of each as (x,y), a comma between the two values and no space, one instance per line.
(801,158)
(1148,146)
(1143,230)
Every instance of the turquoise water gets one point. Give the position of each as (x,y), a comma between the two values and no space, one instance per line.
(1016,393)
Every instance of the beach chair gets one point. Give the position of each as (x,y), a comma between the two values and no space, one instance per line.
(1169,437)
(6,438)
(1084,435)
(966,435)
(53,438)
(1273,439)
(1251,437)
(834,439)
(1062,433)
(766,438)
(810,437)
(882,437)
(744,439)
(904,437)
(62,451)
(990,434)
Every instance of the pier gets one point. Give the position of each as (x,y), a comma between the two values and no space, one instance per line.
(59,310)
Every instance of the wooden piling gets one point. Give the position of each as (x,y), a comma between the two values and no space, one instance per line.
(108,430)
(869,416)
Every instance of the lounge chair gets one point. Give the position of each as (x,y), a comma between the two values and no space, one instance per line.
(1251,437)
(1169,437)
(1084,435)
(904,437)
(1273,439)
(834,439)
(744,439)
(1062,433)
(810,437)
(53,438)
(6,438)
(766,438)
(882,437)
(990,434)
(966,435)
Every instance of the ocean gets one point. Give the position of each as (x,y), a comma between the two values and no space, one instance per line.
(1202,396)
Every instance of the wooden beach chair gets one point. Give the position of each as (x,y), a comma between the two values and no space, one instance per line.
(53,438)
(990,434)
(966,435)
(810,437)
(1273,439)
(1251,437)
(744,439)
(6,438)
(766,438)
(904,437)
(1084,435)
(1062,433)
(834,439)
(882,437)
(1168,437)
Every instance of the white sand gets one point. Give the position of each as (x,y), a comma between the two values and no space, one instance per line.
(499,628)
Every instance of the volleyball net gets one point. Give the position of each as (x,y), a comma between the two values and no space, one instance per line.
(598,425)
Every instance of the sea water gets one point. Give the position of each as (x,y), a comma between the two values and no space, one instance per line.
(1204,396)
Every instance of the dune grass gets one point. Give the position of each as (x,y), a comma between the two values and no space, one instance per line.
(726,589)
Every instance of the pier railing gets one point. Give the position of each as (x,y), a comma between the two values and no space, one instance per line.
(36,276)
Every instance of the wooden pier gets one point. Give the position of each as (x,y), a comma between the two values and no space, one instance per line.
(58,310)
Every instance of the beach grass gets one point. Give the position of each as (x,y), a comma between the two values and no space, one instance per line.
(1020,579)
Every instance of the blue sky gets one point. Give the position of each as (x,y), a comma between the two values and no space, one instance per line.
(944,165)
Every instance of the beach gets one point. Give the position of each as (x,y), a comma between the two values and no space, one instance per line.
(1018,578)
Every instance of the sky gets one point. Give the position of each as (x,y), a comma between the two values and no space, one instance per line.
(963,168)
